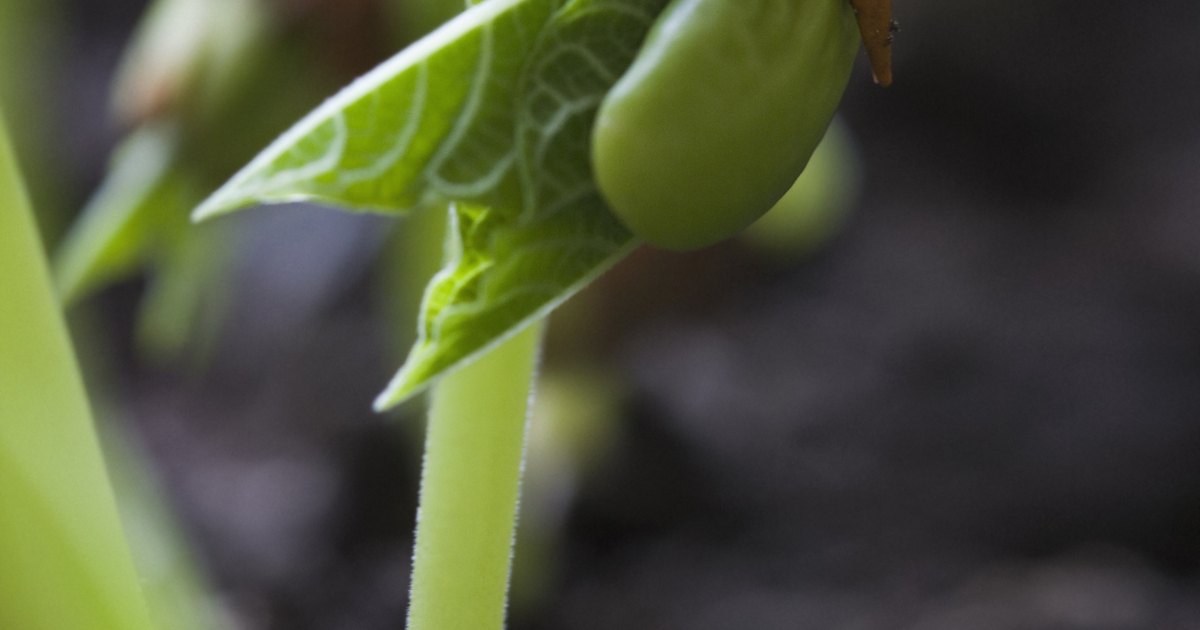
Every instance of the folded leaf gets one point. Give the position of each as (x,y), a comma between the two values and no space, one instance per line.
(492,112)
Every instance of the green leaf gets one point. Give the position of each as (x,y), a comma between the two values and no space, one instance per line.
(138,219)
(184,305)
(512,268)
(494,113)
(435,120)
(65,562)
(115,231)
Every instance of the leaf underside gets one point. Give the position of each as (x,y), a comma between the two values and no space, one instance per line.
(493,114)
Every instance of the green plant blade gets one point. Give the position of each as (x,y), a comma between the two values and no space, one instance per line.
(494,112)
(435,120)
(512,268)
(113,236)
(65,562)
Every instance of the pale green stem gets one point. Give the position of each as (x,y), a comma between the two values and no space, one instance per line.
(64,560)
(474,457)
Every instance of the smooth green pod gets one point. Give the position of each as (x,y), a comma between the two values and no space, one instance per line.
(719,113)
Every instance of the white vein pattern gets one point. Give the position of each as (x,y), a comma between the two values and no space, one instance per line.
(500,102)
(564,234)
(456,142)
(379,166)
(329,145)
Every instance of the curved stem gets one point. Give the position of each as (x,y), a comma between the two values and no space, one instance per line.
(470,485)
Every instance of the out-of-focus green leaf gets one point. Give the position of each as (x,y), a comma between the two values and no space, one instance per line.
(204,84)
(816,206)
(188,56)
(112,238)
(64,561)
(176,594)
(139,220)
(493,111)
(188,291)
(30,41)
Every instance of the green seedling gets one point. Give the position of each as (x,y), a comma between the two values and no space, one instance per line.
(494,116)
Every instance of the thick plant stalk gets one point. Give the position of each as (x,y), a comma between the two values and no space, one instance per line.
(64,561)
(474,454)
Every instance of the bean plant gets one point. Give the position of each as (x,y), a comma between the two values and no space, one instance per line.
(554,137)
(557,135)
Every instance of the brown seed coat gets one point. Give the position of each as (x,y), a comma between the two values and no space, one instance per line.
(876,25)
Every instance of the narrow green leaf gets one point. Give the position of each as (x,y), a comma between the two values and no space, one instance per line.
(112,237)
(64,561)
(493,112)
